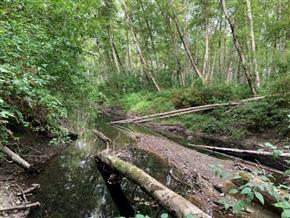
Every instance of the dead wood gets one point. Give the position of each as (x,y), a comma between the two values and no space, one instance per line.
(102,136)
(184,111)
(15,157)
(235,150)
(29,190)
(174,203)
(20,207)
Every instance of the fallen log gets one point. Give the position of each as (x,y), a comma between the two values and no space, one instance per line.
(102,137)
(263,157)
(20,207)
(235,150)
(174,203)
(15,157)
(185,111)
(175,114)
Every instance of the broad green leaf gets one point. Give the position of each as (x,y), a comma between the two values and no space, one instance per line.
(246,190)
(238,206)
(190,216)
(260,197)
(285,213)
(237,177)
(286,173)
(164,215)
(283,204)
(277,153)
(233,191)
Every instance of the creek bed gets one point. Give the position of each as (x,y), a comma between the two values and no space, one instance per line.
(72,186)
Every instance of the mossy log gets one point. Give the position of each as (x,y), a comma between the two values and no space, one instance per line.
(172,202)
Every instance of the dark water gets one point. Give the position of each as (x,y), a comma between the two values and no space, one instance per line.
(72,186)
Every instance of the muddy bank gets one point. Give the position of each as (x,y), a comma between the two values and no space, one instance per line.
(34,148)
(193,169)
(254,142)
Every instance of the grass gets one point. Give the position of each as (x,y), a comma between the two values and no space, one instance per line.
(252,117)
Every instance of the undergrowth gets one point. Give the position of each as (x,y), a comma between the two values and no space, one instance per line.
(238,121)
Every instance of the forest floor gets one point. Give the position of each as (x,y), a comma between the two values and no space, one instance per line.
(36,150)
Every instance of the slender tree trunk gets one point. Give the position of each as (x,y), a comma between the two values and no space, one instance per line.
(186,47)
(129,51)
(229,73)
(117,53)
(175,50)
(239,72)
(212,66)
(149,29)
(139,51)
(114,55)
(206,53)
(242,58)
(253,42)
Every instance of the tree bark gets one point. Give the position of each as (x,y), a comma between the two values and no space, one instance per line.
(15,157)
(149,29)
(242,58)
(139,51)
(206,53)
(253,42)
(187,49)
(172,202)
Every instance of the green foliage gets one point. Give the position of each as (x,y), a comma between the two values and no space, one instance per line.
(255,116)
(41,75)
(254,189)
(218,170)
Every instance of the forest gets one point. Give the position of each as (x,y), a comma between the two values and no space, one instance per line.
(144,108)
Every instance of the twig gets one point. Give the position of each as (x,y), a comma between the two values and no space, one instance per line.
(31,189)
(21,207)
(22,194)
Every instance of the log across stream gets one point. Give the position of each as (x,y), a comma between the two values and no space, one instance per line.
(72,184)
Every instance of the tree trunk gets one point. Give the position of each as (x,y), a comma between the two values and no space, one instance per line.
(187,49)
(172,202)
(15,157)
(242,58)
(149,29)
(114,55)
(206,53)
(253,42)
(139,51)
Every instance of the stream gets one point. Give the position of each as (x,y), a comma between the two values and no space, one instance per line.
(72,186)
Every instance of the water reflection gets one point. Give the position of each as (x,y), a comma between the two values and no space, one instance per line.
(71,185)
